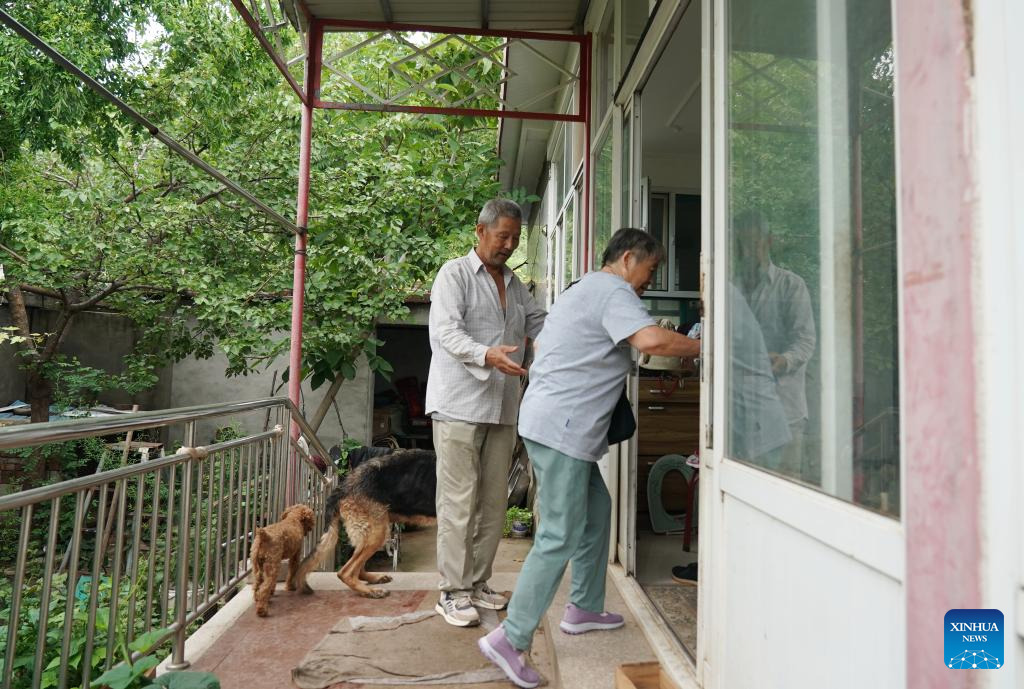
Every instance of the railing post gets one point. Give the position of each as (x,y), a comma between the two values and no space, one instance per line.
(178,661)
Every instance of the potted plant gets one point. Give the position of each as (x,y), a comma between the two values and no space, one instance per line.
(518,522)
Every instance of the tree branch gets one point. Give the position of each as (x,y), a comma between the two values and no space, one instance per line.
(15,254)
(19,314)
(97,298)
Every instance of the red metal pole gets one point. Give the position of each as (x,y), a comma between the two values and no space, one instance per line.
(301,218)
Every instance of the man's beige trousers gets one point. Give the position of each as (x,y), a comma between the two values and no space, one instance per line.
(472,493)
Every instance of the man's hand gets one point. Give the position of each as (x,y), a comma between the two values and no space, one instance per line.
(497,357)
(779,363)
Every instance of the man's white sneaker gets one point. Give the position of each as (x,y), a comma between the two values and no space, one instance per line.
(484,597)
(457,610)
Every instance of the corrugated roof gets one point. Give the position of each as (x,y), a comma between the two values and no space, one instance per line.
(506,15)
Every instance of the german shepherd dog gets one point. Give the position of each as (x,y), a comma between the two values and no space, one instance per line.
(385,486)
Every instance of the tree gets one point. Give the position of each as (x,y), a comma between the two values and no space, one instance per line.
(125,225)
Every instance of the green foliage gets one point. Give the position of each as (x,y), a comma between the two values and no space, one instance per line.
(129,674)
(26,649)
(514,515)
(124,225)
(232,431)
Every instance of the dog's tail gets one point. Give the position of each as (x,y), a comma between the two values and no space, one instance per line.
(260,541)
(323,549)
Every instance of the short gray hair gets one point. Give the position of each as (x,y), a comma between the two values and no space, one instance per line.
(499,208)
(639,242)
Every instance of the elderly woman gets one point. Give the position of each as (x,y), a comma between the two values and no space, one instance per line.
(581,364)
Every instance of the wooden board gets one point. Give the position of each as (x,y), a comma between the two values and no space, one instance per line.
(642,676)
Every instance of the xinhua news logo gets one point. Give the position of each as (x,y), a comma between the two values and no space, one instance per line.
(974,639)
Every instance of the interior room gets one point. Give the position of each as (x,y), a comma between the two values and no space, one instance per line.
(669,170)
(399,417)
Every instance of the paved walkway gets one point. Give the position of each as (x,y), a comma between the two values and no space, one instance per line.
(248,652)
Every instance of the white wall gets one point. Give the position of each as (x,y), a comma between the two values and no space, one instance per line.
(673,173)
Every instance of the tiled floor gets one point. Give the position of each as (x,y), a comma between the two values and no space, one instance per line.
(656,555)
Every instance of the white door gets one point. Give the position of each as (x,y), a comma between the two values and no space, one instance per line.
(802,545)
(634,213)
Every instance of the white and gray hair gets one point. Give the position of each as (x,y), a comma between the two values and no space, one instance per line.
(499,208)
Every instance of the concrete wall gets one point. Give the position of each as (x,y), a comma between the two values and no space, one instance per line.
(202,381)
(102,340)
(98,339)
(12,379)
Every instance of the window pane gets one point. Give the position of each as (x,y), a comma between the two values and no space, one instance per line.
(687,249)
(602,197)
(626,205)
(658,226)
(634,19)
(604,47)
(570,235)
(812,379)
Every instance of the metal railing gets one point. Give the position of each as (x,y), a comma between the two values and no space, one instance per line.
(131,559)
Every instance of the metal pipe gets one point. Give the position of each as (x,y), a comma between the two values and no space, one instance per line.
(44,595)
(154,518)
(133,558)
(165,589)
(440,110)
(94,587)
(195,528)
(254,26)
(112,475)
(178,661)
(210,467)
(301,218)
(71,585)
(223,536)
(61,431)
(120,494)
(357,25)
(247,518)
(14,620)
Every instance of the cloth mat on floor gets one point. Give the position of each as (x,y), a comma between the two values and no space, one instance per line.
(418,648)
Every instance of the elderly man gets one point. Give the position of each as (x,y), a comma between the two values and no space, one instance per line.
(480,318)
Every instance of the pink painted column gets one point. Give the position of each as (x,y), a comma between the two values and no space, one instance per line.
(942,479)
(301,218)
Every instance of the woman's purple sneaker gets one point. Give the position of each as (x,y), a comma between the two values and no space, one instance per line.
(499,651)
(579,621)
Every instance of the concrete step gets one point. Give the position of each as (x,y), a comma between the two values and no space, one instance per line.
(589,661)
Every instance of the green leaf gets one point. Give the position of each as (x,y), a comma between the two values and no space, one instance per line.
(144,642)
(117,677)
(187,679)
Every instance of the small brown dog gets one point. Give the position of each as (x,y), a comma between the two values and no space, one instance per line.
(271,545)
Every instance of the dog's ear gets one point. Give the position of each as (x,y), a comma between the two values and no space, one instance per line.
(308,518)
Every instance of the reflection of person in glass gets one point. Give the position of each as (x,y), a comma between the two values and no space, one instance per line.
(759,431)
(781,303)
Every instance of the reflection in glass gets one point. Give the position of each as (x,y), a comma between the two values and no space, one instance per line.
(602,197)
(812,244)
(568,243)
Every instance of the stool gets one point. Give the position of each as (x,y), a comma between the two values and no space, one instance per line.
(661,520)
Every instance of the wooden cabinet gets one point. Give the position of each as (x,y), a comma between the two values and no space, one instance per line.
(668,422)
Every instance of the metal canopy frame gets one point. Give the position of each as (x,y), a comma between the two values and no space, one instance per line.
(268,23)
